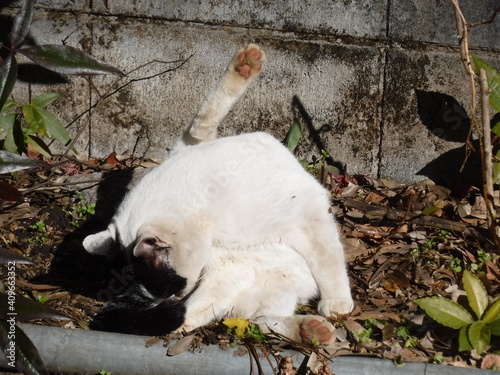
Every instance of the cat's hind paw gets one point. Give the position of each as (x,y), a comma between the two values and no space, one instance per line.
(317,330)
(248,62)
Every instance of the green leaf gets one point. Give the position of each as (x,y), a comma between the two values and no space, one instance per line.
(463,339)
(495,327)
(496,128)
(479,336)
(8,76)
(22,23)
(68,60)
(27,310)
(496,170)
(45,99)
(493,80)
(293,136)
(34,119)
(7,121)
(476,293)
(14,140)
(39,145)
(493,312)
(54,126)
(7,256)
(445,311)
(10,162)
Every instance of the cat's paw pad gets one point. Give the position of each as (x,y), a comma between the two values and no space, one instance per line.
(317,330)
(248,62)
(335,306)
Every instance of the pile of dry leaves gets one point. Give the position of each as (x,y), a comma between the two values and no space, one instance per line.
(402,242)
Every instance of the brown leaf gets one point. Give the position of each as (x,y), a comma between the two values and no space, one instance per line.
(181,346)
(490,360)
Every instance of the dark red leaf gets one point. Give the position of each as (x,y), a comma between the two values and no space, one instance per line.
(9,192)
(28,309)
(68,60)
(8,76)
(22,23)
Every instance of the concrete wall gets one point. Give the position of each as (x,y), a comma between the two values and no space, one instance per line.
(381,80)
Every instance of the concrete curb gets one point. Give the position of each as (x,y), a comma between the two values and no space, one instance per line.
(88,352)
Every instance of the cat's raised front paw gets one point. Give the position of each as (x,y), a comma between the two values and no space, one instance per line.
(248,62)
(317,330)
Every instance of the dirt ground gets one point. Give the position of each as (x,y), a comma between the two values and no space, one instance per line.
(402,243)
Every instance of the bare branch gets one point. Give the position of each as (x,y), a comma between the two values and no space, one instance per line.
(486,21)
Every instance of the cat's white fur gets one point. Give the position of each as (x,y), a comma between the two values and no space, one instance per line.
(245,224)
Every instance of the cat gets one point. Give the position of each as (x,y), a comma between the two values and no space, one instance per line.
(227,227)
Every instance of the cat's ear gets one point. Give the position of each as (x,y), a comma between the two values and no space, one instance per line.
(147,244)
(101,243)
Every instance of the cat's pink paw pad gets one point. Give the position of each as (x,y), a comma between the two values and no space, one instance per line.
(317,330)
(249,61)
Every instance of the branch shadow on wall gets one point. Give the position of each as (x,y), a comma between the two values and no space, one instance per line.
(314,133)
(448,120)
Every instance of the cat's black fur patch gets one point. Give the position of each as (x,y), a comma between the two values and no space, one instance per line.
(161,282)
(137,314)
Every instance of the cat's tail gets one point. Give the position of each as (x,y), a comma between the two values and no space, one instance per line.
(241,72)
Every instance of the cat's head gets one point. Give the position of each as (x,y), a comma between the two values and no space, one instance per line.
(168,257)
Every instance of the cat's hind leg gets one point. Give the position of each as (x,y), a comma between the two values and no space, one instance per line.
(308,329)
(245,66)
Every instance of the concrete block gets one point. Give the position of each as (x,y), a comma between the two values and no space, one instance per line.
(338,86)
(359,18)
(434,22)
(426,116)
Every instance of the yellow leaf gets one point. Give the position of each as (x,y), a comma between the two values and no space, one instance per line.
(240,325)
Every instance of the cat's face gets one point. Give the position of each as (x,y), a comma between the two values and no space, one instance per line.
(168,258)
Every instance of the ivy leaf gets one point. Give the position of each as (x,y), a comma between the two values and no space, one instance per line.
(293,136)
(8,76)
(493,312)
(27,359)
(68,60)
(476,293)
(493,78)
(45,99)
(10,162)
(479,336)
(445,311)
(22,23)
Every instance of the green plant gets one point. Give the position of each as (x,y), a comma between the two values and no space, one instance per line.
(104,372)
(475,331)
(37,120)
(80,211)
(404,333)
(482,256)
(25,124)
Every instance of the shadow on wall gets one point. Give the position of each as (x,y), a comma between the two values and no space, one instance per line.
(448,120)
(315,134)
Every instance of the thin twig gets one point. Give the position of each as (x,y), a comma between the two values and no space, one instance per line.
(486,21)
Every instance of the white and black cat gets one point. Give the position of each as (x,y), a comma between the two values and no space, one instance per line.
(232,226)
